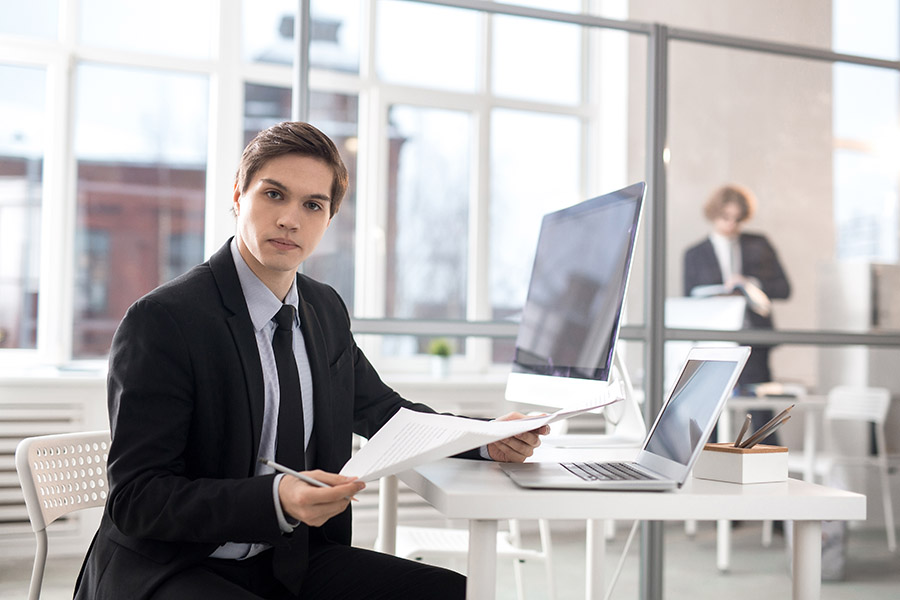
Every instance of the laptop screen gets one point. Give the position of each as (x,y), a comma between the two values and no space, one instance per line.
(691,410)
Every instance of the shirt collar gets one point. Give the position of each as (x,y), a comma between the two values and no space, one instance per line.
(719,239)
(261,302)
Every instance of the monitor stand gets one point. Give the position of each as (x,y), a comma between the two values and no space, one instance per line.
(625,423)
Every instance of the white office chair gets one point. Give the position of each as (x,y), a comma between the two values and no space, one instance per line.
(60,474)
(431,543)
(860,404)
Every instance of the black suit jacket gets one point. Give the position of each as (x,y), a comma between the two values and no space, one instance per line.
(186,398)
(759,260)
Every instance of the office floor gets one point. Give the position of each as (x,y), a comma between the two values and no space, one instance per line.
(872,572)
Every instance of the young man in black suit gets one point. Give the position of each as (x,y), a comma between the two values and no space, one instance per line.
(196,397)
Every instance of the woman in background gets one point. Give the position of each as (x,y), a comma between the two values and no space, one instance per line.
(730,261)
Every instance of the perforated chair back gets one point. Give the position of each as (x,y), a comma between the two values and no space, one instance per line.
(871,405)
(851,403)
(60,474)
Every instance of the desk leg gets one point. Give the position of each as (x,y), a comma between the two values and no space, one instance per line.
(810,427)
(723,545)
(387,515)
(595,580)
(481,583)
(807,560)
(724,433)
(652,539)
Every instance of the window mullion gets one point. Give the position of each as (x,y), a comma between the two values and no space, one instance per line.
(58,210)
(226,101)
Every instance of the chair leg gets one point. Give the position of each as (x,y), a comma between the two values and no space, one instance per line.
(881,446)
(40,559)
(609,529)
(766,534)
(515,537)
(547,548)
(888,507)
(690,527)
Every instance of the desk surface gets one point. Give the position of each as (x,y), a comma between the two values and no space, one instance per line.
(468,489)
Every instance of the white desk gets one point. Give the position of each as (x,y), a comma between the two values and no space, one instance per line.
(811,407)
(479,492)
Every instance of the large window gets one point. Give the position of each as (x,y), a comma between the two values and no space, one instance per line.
(461,128)
(867,133)
(22,146)
(140,148)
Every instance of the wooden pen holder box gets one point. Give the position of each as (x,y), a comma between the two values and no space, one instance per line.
(759,464)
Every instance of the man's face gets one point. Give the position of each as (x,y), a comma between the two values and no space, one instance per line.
(728,222)
(282,217)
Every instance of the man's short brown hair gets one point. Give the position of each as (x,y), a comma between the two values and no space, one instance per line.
(293,137)
(730,194)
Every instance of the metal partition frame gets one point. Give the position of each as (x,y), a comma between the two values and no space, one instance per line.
(652,331)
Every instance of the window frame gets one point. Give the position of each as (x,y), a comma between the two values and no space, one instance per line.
(228,72)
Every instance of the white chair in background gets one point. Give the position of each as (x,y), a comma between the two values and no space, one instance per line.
(859,404)
(433,543)
(59,474)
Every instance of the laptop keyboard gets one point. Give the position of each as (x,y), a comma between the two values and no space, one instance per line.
(605,471)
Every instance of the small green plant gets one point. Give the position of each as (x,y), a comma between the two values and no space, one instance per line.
(440,347)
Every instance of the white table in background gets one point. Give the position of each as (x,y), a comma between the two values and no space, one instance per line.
(480,493)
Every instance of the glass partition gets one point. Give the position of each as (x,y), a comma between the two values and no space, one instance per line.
(815,144)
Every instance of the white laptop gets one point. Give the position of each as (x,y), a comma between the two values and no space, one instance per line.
(676,439)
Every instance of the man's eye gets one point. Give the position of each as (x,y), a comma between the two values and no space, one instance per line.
(315,206)
(273,194)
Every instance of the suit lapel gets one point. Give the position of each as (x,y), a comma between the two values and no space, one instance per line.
(313,338)
(746,253)
(225,274)
(712,263)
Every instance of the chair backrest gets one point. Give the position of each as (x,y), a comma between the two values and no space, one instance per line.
(856,403)
(62,473)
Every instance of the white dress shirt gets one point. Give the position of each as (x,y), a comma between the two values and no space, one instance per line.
(263,305)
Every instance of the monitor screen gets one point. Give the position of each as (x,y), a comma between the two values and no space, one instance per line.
(571,317)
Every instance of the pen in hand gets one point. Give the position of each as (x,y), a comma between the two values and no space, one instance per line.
(298,475)
(744,427)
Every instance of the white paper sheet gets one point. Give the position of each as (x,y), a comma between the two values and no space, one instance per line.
(412,438)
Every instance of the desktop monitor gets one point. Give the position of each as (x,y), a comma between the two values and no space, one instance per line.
(570,322)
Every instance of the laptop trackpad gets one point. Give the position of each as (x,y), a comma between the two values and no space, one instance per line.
(540,474)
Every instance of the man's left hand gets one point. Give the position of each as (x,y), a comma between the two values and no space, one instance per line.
(518,447)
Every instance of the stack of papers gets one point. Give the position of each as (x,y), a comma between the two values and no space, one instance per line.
(413,438)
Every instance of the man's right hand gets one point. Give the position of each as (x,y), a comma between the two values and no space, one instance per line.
(315,505)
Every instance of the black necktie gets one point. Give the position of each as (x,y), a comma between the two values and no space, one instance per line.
(290,436)
(289,560)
